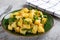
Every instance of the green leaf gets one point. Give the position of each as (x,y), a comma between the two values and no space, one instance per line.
(11,20)
(5,23)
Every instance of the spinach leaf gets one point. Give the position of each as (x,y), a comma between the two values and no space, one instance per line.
(5,23)
(11,20)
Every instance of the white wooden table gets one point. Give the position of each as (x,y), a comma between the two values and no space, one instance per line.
(53,34)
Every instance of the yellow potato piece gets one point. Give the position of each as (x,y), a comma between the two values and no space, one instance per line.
(25,15)
(25,10)
(37,22)
(17,29)
(42,25)
(38,13)
(34,30)
(31,14)
(23,31)
(41,29)
(44,20)
(26,26)
(14,24)
(18,17)
(10,27)
(19,24)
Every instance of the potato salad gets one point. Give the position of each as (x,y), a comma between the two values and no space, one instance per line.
(27,21)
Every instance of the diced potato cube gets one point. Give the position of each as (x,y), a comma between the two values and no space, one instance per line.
(41,29)
(10,27)
(44,20)
(34,30)
(17,29)
(23,31)
(25,10)
(25,15)
(26,26)
(18,17)
(19,24)
(37,22)
(31,14)
(14,24)
(42,25)
(38,13)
